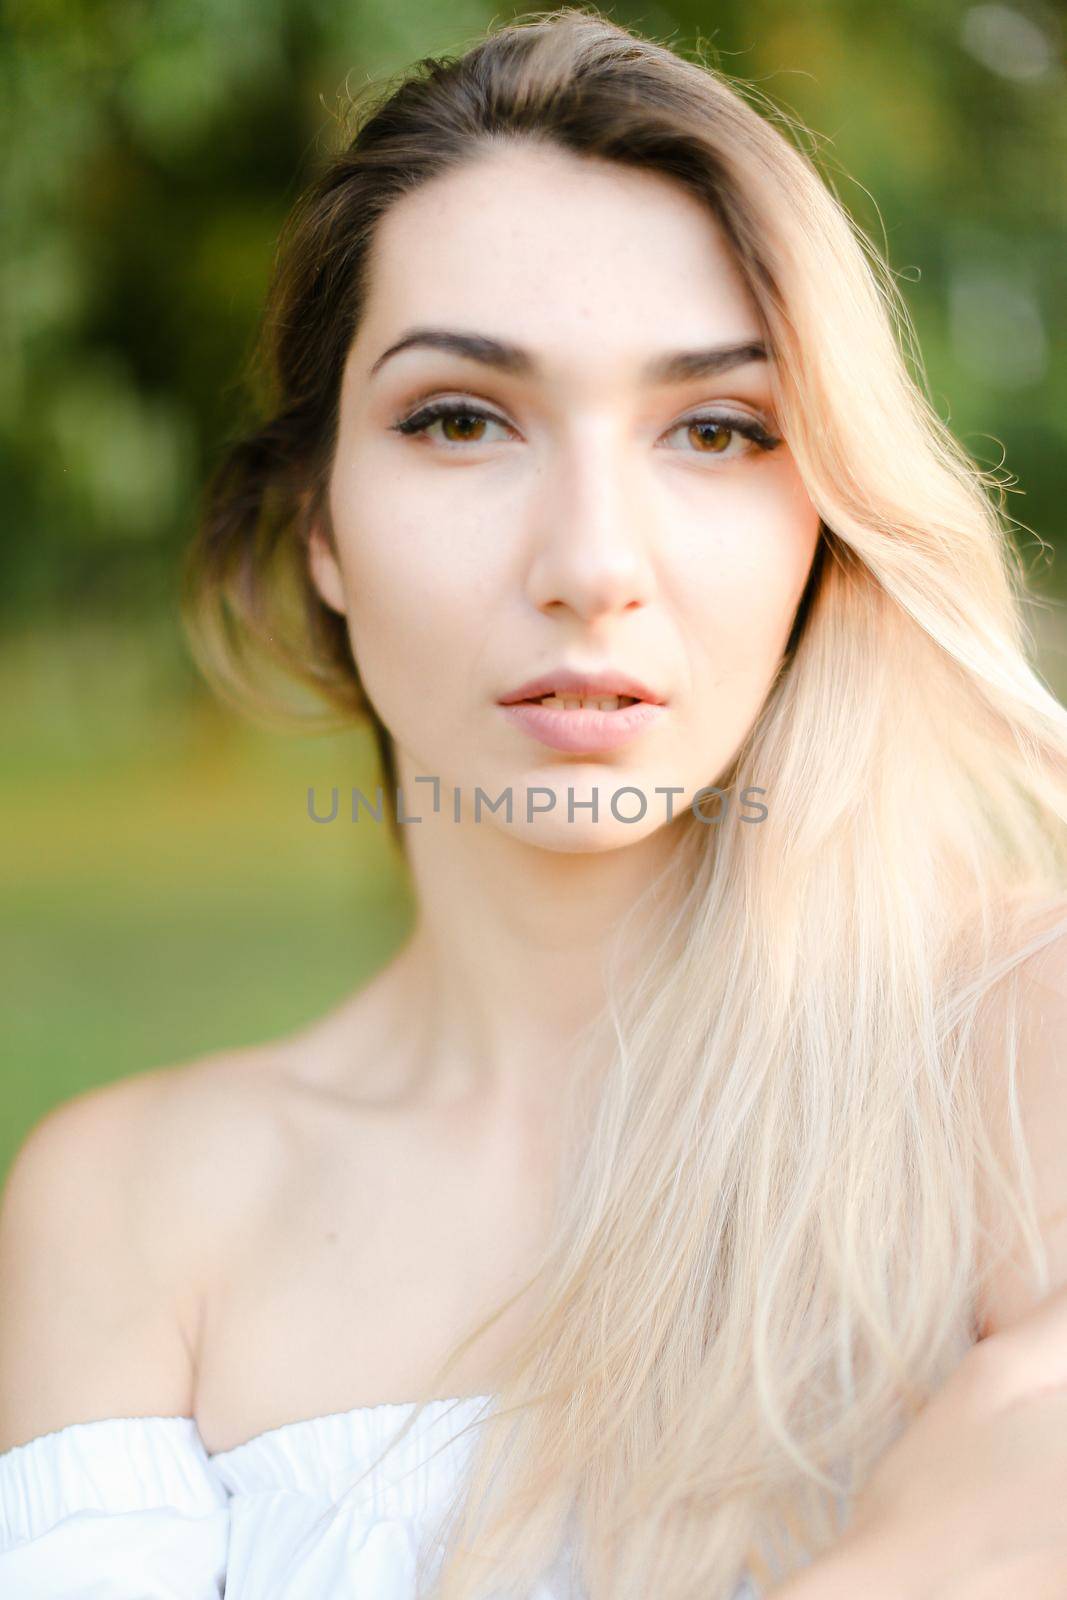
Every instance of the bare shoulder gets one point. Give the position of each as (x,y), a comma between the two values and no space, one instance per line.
(128,1207)
(1030,1014)
(109,1219)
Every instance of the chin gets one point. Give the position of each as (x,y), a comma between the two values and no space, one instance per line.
(581,838)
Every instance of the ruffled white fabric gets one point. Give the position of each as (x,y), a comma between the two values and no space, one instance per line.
(134,1508)
(307,1524)
(127,1508)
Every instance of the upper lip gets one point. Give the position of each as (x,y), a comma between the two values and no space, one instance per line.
(564,680)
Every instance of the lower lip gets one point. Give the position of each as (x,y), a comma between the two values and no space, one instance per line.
(584,732)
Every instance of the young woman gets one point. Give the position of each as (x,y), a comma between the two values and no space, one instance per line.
(636,1229)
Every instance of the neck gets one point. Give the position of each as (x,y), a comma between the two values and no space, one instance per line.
(505,964)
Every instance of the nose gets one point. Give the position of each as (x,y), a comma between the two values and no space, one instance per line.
(590,546)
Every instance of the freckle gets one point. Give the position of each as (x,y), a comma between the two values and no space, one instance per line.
(331,1238)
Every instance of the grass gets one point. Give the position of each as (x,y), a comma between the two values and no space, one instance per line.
(166,891)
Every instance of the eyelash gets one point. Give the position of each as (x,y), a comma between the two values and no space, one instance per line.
(419,421)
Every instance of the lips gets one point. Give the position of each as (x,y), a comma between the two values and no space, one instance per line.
(588,685)
(585,731)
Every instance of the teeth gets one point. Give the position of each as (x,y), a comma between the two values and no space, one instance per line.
(574,702)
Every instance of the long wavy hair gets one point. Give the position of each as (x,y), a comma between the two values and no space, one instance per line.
(768,1238)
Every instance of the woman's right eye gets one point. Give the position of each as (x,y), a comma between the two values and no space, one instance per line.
(464,418)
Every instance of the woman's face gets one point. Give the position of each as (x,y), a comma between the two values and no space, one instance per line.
(576,512)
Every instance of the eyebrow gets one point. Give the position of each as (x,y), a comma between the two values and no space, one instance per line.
(676,366)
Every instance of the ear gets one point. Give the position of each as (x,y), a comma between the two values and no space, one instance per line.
(324,570)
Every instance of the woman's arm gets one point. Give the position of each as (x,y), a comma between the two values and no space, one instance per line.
(969,1502)
(105,1484)
(847,1572)
(88,1324)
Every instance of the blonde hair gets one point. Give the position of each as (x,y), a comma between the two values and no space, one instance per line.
(765,1254)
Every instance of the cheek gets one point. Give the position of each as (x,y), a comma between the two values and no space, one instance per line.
(415,590)
(743,582)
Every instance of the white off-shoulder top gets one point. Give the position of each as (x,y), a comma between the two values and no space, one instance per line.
(135,1508)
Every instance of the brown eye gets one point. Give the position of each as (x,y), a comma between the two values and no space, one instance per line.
(461,423)
(714,435)
(711,436)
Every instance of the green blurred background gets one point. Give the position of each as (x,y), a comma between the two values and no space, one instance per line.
(165,892)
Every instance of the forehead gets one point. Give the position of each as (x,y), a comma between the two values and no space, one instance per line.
(560,253)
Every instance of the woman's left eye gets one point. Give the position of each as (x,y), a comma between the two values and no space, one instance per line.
(711,432)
